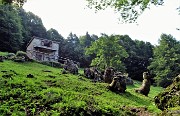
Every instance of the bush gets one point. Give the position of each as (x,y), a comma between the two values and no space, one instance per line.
(10,56)
(21,57)
(21,53)
(164,82)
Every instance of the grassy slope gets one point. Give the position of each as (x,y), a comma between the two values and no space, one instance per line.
(52,93)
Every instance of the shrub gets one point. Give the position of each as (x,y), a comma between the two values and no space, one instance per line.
(21,53)
(164,82)
(11,56)
(21,57)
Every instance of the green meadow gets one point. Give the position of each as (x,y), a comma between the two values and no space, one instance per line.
(31,88)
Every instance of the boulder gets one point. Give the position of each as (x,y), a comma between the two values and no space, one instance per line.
(145,87)
(93,73)
(70,67)
(118,83)
(109,75)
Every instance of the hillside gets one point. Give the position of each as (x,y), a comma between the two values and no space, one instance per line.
(34,89)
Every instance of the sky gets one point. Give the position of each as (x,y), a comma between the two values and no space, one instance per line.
(74,16)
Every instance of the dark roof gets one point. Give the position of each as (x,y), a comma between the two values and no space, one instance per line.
(40,39)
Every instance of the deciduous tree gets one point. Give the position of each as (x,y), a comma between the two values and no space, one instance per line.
(85,42)
(108,53)
(10,29)
(140,54)
(166,62)
(32,26)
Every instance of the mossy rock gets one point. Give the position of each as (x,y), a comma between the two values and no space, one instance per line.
(170,97)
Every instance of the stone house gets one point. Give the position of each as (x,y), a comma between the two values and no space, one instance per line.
(41,49)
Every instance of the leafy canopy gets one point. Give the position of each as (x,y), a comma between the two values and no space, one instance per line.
(10,29)
(108,53)
(18,3)
(140,54)
(166,62)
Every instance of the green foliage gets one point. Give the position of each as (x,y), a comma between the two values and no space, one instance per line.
(32,26)
(108,53)
(129,9)
(53,93)
(11,29)
(17,28)
(19,3)
(85,42)
(21,53)
(71,48)
(26,32)
(21,57)
(140,54)
(53,34)
(166,62)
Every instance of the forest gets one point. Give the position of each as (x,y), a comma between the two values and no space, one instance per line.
(127,55)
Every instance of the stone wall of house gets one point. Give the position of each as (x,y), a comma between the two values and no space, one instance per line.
(42,56)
